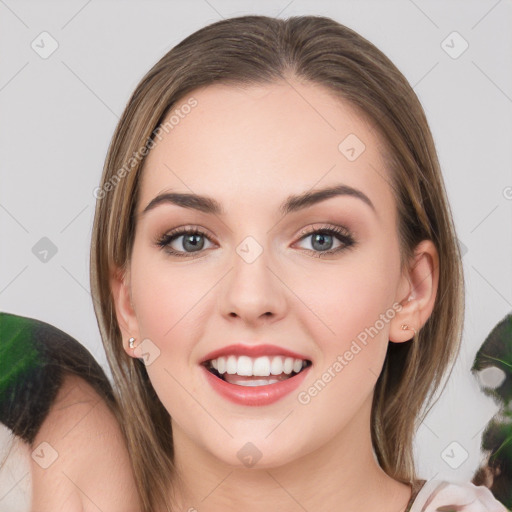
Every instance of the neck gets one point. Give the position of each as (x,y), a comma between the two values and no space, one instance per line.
(342,474)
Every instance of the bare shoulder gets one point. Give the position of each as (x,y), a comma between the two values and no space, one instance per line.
(79,460)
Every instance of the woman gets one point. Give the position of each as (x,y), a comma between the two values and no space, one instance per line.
(278,283)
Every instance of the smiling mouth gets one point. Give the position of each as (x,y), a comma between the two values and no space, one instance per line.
(232,375)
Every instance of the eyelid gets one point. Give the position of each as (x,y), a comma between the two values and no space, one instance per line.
(314,228)
(188,228)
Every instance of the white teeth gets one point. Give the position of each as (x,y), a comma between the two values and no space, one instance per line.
(252,383)
(276,367)
(263,366)
(231,365)
(244,366)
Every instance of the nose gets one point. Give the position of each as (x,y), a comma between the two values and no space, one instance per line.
(253,291)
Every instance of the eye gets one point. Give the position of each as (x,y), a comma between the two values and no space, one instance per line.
(192,241)
(323,240)
(187,241)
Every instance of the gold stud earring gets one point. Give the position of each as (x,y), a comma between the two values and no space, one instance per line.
(405,327)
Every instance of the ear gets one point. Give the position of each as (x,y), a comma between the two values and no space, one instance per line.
(416,292)
(125,313)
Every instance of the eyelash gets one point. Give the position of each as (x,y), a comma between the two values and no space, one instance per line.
(338,232)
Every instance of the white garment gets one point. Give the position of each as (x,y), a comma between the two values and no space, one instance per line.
(464,497)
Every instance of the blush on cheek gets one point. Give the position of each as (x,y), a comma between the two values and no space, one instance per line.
(170,302)
(353,314)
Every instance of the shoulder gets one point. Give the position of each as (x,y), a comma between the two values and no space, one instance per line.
(435,494)
(79,460)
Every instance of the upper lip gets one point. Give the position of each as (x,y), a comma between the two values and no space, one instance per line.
(252,351)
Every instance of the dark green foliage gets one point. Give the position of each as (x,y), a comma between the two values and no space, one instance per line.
(34,358)
(496,351)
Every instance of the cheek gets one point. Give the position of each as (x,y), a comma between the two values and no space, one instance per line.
(167,302)
(172,305)
(349,296)
(166,296)
(357,305)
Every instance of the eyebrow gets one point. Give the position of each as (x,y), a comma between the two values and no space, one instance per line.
(293,203)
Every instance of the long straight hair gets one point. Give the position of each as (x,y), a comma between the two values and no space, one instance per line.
(257,50)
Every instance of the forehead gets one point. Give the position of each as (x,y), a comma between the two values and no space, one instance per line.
(243,143)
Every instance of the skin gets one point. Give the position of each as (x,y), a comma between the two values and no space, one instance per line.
(250,148)
(92,471)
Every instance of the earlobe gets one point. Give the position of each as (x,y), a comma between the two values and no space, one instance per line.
(416,293)
(125,313)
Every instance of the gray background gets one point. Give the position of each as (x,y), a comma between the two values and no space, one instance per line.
(59,113)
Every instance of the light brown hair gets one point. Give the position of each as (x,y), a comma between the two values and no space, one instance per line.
(255,50)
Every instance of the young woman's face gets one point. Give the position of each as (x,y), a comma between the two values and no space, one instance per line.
(259,275)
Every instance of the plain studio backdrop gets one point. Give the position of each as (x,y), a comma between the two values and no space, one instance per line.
(67,71)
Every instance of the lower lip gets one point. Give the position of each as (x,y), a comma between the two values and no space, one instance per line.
(255,395)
